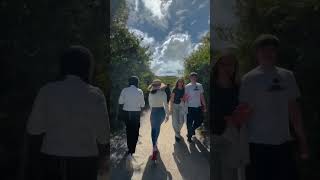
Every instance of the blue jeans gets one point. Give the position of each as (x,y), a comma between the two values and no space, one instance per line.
(157,117)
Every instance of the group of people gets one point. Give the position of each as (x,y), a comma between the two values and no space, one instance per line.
(253,117)
(184,102)
(250,127)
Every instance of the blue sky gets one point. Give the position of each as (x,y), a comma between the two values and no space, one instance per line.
(171,28)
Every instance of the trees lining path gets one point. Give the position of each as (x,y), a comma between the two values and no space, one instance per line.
(176,161)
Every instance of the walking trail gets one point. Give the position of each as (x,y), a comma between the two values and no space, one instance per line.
(176,161)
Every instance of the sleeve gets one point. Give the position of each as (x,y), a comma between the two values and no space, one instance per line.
(245,91)
(142,102)
(201,89)
(37,118)
(293,89)
(165,103)
(121,98)
(102,119)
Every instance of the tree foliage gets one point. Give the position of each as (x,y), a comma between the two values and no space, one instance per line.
(128,58)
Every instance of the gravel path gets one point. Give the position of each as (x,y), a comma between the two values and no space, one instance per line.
(177,161)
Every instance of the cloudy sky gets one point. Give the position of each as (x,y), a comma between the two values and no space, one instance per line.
(172,29)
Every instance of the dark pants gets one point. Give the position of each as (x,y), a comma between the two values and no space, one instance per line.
(132,121)
(272,162)
(69,168)
(194,120)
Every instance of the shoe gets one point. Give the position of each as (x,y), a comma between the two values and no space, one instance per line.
(154,155)
(190,140)
(177,139)
(129,162)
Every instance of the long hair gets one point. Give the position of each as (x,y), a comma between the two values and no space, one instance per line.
(177,82)
(235,78)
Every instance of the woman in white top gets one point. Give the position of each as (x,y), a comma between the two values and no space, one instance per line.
(159,112)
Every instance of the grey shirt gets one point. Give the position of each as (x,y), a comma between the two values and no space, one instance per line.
(268,92)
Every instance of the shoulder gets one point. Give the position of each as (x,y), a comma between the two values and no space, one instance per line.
(188,86)
(251,74)
(284,71)
(96,91)
(199,84)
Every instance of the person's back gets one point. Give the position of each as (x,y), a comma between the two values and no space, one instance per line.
(72,123)
(132,98)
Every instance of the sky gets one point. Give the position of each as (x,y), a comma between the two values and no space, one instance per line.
(172,29)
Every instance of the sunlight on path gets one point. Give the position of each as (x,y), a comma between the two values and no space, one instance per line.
(177,161)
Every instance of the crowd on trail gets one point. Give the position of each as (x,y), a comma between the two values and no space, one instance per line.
(250,126)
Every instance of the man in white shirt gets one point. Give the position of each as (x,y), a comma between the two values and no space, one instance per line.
(196,104)
(72,118)
(272,93)
(132,100)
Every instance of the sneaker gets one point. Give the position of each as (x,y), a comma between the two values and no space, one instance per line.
(129,161)
(190,140)
(154,155)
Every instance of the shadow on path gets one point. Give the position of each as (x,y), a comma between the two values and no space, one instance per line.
(156,170)
(187,159)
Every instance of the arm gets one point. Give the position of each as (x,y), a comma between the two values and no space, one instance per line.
(296,121)
(203,102)
(165,104)
(171,102)
(142,102)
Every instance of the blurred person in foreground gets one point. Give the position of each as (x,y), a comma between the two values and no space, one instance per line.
(272,93)
(70,119)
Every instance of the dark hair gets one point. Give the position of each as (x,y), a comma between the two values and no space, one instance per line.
(76,60)
(133,80)
(180,79)
(215,71)
(266,40)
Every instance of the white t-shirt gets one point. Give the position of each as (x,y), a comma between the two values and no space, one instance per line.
(268,92)
(193,92)
(73,117)
(132,99)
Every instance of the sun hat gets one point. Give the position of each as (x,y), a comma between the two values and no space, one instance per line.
(156,84)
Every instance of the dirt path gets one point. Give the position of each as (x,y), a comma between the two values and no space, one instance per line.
(177,161)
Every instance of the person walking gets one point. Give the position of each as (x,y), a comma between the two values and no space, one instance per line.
(132,101)
(159,112)
(230,149)
(196,104)
(272,92)
(71,118)
(178,107)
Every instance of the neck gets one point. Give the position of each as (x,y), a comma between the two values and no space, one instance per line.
(193,82)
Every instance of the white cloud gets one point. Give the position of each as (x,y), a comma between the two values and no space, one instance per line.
(155,12)
(168,57)
(147,41)
(180,12)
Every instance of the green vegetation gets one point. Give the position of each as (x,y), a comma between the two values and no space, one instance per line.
(199,62)
(128,58)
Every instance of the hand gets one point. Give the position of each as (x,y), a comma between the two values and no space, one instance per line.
(204,109)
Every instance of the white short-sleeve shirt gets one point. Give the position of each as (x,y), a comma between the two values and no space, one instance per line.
(268,92)
(193,92)
(73,117)
(132,99)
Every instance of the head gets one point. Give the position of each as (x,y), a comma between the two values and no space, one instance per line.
(77,61)
(179,83)
(156,85)
(133,81)
(266,49)
(193,77)
(226,67)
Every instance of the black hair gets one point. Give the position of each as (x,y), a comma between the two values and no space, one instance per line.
(76,60)
(133,80)
(265,40)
